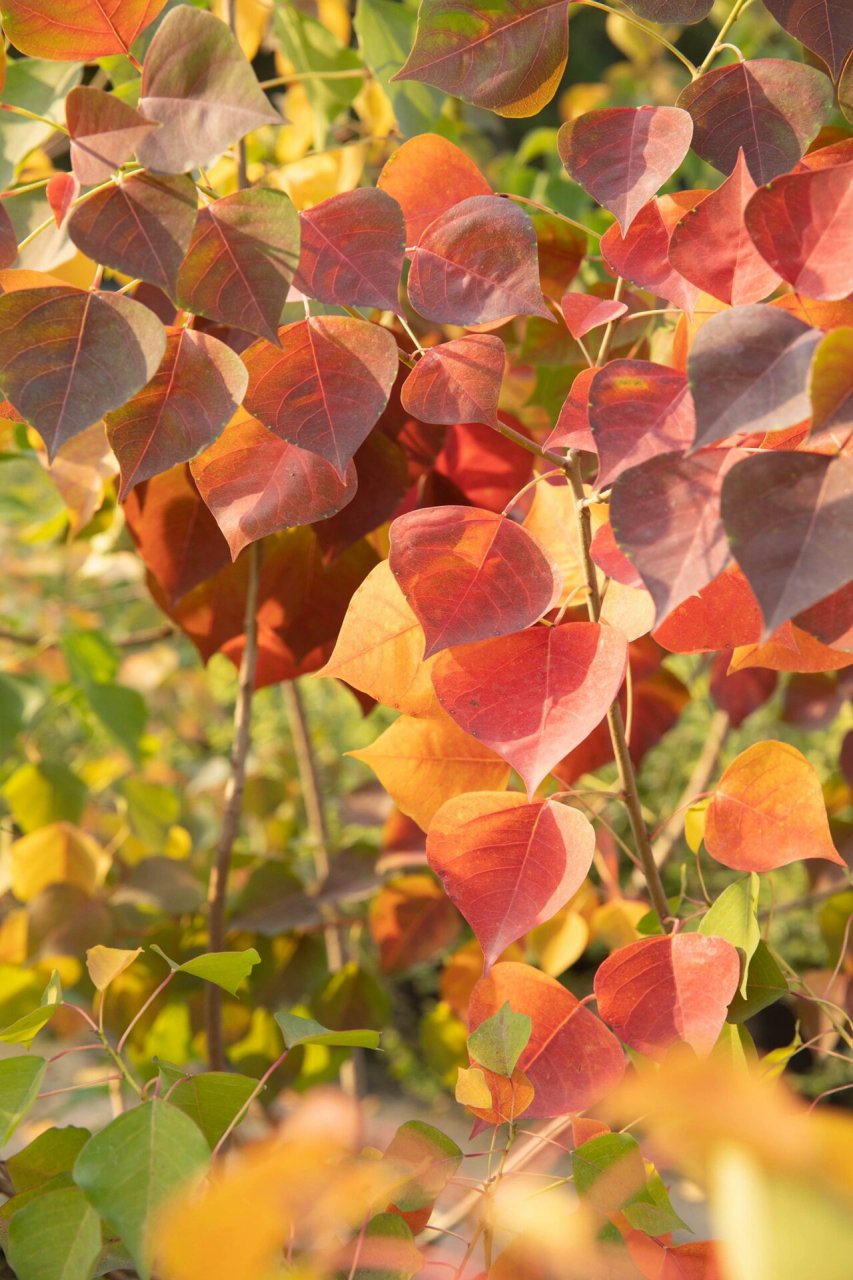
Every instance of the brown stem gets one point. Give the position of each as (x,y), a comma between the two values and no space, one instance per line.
(624,764)
(218,884)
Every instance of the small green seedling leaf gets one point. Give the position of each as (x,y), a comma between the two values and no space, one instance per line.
(20,1079)
(298,1031)
(498,1043)
(55,1237)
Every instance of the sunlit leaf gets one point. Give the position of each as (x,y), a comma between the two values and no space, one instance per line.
(106,963)
(20,1080)
(298,1031)
(352,250)
(411,922)
(637,410)
(56,854)
(824,28)
(499,1042)
(642,256)
(432,1157)
(55,1237)
(458,381)
(105,132)
(583,312)
(212,1099)
(734,916)
(47,29)
(831,382)
(410,177)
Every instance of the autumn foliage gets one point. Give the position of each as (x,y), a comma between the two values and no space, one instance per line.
(517,408)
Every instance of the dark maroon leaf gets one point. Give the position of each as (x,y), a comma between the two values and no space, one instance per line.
(831,620)
(105,132)
(382,473)
(68,356)
(742,692)
(184,407)
(748,371)
(255,484)
(643,255)
(458,381)
(241,261)
(681,12)
(326,387)
(622,156)
(789,517)
(823,26)
(8,239)
(770,107)
(666,518)
(199,86)
(140,225)
(477,263)
(636,411)
(352,250)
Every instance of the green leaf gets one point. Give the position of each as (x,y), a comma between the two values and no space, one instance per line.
(312,47)
(766,984)
(432,1157)
(734,916)
(499,1042)
(12,711)
(55,1237)
(151,809)
(40,86)
(138,1161)
(227,969)
(91,656)
(20,1080)
(24,1030)
(608,1171)
(386,33)
(650,1210)
(298,1031)
(387,1252)
(51,1153)
(121,711)
(38,794)
(212,1099)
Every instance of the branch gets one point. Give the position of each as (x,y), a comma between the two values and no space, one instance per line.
(218,884)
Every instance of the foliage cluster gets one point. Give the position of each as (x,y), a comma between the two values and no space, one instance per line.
(534,443)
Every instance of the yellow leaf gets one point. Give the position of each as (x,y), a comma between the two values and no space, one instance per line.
(551,520)
(422,761)
(615,923)
(471,1088)
(106,963)
(373,107)
(694,824)
(81,471)
(317,177)
(559,942)
(58,854)
(296,138)
(253,19)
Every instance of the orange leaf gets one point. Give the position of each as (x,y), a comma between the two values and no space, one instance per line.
(411,921)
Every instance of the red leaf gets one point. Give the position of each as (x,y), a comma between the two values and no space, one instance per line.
(182,409)
(470,574)
(747,371)
(68,356)
(643,255)
(508,59)
(49,29)
(326,387)
(583,312)
(659,991)
(477,263)
(256,484)
(241,260)
(666,518)
(803,226)
(772,108)
(382,476)
(681,12)
(637,410)
(572,430)
(723,615)
(8,239)
(198,85)
(427,176)
(768,811)
(411,922)
(742,692)
(507,865)
(831,383)
(562,249)
(487,469)
(62,189)
(352,250)
(458,381)
(140,225)
(622,155)
(831,620)
(175,533)
(789,517)
(696,1260)
(571,1059)
(712,248)
(105,132)
(613,562)
(535,695)
(823,26)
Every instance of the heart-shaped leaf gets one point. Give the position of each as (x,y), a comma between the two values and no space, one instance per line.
(174,532)
(824,27)
(325,388)
(352,250)
(508,866)
(507,58)
(409,175)
(241,260)
(470,574)
(68,356)
(802,225)
(771,108)
(767,811)
(571,1059)
(621,156)
(637,410)
(535,695)
(256,484)
(477,263)
(748,371)
(184,407)
(70,1247)
(659,991)
(572,430)
(105,131)
(49,29)
(789,517)
(643,255)
(198,85)
(457,381)
(711,247)
(583,312)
